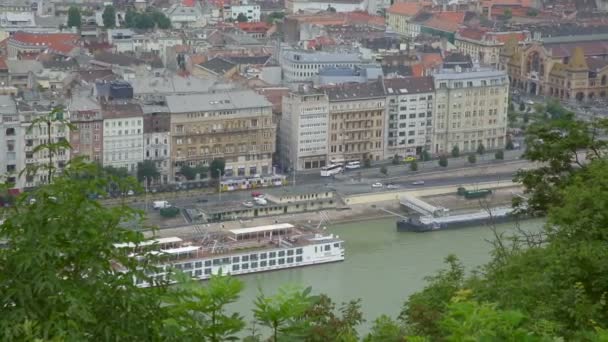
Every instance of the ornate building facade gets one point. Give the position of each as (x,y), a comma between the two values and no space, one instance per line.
(568,68)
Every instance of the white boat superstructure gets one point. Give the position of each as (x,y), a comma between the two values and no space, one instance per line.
(242,251)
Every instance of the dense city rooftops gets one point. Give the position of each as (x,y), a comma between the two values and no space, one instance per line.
(359,91)
(239,99)
(409,85)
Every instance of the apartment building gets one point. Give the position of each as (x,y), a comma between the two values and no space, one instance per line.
(251,12)
(303,129)
(470,109)
(12,150)
(409,115)
(236,126)
(122,135)
(87,139)
(356,121)
(157,140)
(36,135)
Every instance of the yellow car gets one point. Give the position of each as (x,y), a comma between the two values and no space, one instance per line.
(409,159)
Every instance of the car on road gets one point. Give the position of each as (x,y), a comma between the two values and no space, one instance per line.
(202,200)
(248,204)
(420,182)
(161,205)
(392,186)
(257,194)
(130,193)
(377,185)
(409,159)
(353,165)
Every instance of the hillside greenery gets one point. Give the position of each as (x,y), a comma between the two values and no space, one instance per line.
(59,281)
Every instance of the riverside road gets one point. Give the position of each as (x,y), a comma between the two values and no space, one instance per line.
(459,171)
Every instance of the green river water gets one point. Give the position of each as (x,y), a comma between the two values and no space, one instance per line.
(382,267)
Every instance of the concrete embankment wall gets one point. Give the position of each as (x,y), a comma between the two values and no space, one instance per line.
(395,195)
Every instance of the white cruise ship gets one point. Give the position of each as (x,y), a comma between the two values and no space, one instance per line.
(241,251)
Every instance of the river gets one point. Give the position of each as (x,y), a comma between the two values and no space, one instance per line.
(382,267)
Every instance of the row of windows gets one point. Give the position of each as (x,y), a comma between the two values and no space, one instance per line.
(237,259)
(125,123)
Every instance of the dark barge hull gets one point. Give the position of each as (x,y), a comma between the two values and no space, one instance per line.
(414,225)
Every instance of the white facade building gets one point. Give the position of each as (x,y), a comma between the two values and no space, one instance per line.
(303,130)
(37,135)
(470,110)
(409,107)
(304,66)
(125,40)
(123,136)
(182,16)
(12,147)
(252,12)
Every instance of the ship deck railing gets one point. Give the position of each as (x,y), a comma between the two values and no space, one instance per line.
(495,212)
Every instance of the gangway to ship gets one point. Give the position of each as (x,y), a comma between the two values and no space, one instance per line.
(393,213)
(422,207)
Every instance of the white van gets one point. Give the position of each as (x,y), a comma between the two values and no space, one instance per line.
(353,165)
(161,205)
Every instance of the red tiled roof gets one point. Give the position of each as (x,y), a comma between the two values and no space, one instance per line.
(189,3)
(482,34)
(359,17)
(472,33)
(430,60)
(417,70)
(60,42)
(445,21)
(404,8)
(254,26)
(522,3)
(503,38)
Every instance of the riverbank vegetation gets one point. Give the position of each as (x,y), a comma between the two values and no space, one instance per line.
(58,280)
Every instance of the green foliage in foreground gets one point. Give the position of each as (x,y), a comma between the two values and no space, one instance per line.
(59,281)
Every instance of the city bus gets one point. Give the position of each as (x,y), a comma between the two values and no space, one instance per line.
(331,170)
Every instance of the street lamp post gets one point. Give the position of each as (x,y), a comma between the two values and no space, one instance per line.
(146,193)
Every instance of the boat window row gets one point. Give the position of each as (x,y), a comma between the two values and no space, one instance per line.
(237,259)
(327,247)
(267,263)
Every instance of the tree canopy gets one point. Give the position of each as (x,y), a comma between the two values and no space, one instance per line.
(62,278)
(74,17)
(147,20)
(109,17)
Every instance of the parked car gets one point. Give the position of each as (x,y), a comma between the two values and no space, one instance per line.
(409,159)
(130,193)
(257,194)
(420,182)
(248,204)
(202,200)
(377,185)
(392,186)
